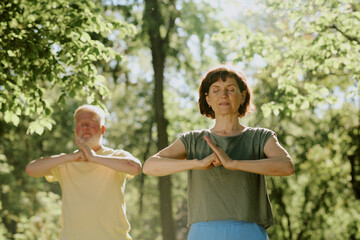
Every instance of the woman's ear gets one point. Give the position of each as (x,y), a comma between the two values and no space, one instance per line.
(207,99)
(243,97)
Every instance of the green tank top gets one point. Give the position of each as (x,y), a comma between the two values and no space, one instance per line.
(222,194)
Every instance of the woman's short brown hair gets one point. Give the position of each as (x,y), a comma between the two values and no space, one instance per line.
(223,72)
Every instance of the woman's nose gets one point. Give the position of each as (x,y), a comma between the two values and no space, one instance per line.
(224,92)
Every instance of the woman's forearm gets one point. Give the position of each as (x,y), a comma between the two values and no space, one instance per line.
(275,166)
(161,166)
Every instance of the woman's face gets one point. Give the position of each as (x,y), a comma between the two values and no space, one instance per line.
(225,98)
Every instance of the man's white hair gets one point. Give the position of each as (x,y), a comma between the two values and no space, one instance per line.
(91,108)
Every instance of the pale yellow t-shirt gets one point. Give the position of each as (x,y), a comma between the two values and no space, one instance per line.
(93,206)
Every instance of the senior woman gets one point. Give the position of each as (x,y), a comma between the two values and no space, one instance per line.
(227,194)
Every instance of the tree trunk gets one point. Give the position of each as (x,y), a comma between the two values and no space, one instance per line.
(355,161)
(153,20)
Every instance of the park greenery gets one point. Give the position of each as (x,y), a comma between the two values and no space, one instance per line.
(143,61)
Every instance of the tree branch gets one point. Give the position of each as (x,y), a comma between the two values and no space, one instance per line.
(345,35)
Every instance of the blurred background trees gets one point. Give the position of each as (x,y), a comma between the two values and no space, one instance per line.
(301,58)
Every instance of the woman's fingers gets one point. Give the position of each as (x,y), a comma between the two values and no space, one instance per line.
(217,161)
(221,157)
(210,143)
(219,151)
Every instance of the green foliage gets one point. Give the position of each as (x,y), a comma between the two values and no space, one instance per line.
(308,92)
(319,194)
(28,209)
(44,224)
(309,61)
(314,46)
(47,44)
(320,141)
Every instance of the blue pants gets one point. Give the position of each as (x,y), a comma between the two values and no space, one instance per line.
(227,230)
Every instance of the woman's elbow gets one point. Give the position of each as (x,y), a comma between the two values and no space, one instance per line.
(151,170)
(289,172)
(285,168)
(146,169)
(289,169)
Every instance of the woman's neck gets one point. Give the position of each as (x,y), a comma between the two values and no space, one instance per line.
(227,126)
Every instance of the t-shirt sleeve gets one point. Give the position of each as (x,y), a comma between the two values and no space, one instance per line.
(187,139)
(55,175)
(264,135)
(123,153)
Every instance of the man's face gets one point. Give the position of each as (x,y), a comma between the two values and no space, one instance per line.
(88,128)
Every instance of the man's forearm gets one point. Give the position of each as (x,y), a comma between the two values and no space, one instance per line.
(121,164)
(42,167)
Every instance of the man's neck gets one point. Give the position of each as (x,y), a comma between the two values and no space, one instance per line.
(96,148)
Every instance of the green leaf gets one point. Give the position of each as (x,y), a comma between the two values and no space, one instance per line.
(85,37)
(38,126)
(11,117)
(11,53)
(266,110)
(304,105)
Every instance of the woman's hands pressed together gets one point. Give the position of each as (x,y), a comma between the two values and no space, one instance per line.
(221,157)
(208,162)
(277,162)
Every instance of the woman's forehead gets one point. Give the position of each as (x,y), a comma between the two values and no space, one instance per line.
(228,81)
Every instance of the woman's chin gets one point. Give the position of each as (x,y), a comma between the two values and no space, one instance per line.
(225,113)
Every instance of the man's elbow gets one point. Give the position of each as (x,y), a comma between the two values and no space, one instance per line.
(30,172)
(136,169)
(133,168)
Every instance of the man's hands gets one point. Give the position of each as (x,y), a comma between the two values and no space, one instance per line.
(79,156)
(219,157)
(85,153)
(125,164)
